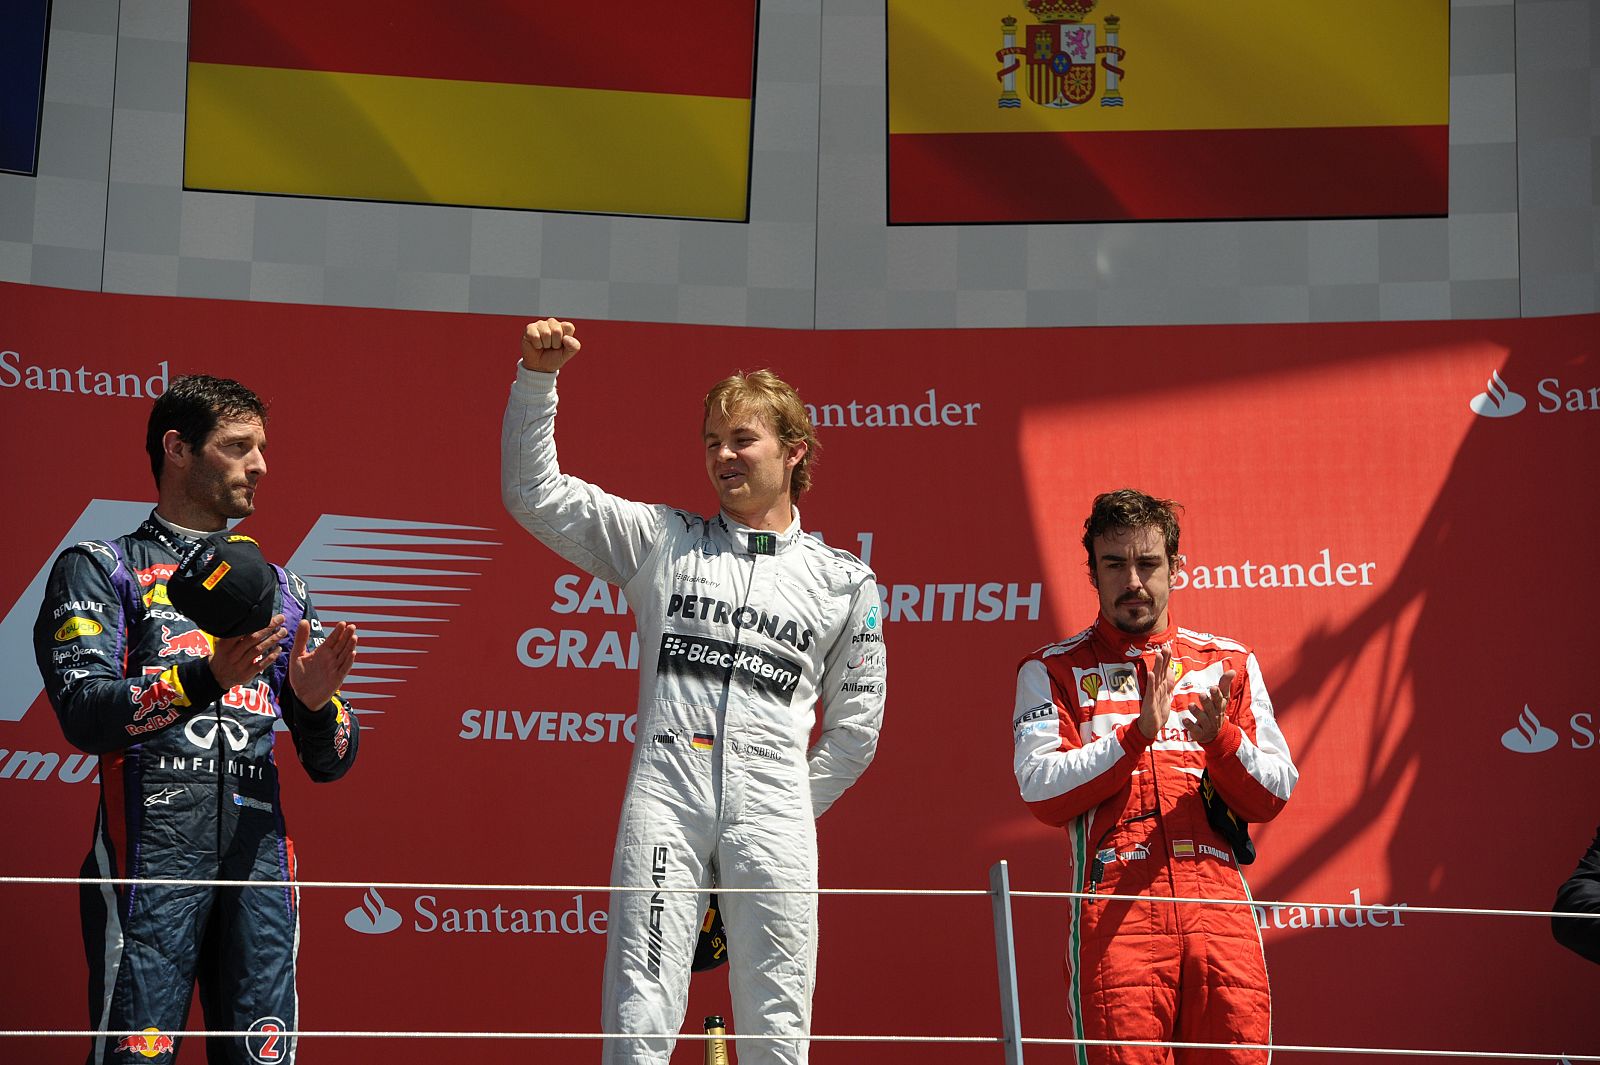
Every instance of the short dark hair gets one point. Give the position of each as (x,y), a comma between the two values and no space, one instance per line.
(1129,508)
(193,405)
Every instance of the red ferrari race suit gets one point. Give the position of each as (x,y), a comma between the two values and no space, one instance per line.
(1141,970)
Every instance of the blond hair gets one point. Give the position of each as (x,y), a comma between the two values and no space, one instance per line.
(772,399)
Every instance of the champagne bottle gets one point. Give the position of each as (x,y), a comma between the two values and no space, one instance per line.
(717,1048)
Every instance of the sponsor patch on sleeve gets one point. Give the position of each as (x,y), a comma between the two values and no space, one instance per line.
(76,626)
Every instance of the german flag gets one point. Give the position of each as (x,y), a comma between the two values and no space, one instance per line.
(1073,110)
(543,104)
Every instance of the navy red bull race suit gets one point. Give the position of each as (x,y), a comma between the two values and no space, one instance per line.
(1138,968)
(188,790)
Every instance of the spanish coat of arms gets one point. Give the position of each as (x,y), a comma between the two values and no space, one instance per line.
(1061,53)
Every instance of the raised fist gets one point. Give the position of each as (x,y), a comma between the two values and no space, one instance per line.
(548,344)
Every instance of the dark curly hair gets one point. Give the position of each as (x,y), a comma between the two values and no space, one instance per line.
(1129,508)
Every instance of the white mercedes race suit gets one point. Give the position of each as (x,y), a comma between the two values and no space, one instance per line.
(741,634)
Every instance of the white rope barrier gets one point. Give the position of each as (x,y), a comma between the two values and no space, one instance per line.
(1405,908)
(402,885)
(1013,1041)
(695,1037)
(683,1037)
(1293,1048)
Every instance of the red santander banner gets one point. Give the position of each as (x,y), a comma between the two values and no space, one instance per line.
(1397,517)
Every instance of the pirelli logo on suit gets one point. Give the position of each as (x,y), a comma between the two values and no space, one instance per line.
(1041,717)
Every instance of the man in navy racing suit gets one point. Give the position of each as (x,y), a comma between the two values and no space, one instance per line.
(183,724)
(753,623)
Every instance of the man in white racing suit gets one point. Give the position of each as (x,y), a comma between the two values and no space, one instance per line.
(747,623)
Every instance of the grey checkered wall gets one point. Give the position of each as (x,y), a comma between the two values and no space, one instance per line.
(107,209)
(1558,154)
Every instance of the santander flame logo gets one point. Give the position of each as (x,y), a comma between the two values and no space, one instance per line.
(1529,736)
(1497,400)
(373,917)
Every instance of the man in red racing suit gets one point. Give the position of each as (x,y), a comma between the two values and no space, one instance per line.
(1114,729)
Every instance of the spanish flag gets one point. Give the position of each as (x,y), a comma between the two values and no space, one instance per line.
(1100,110)
(544,104)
